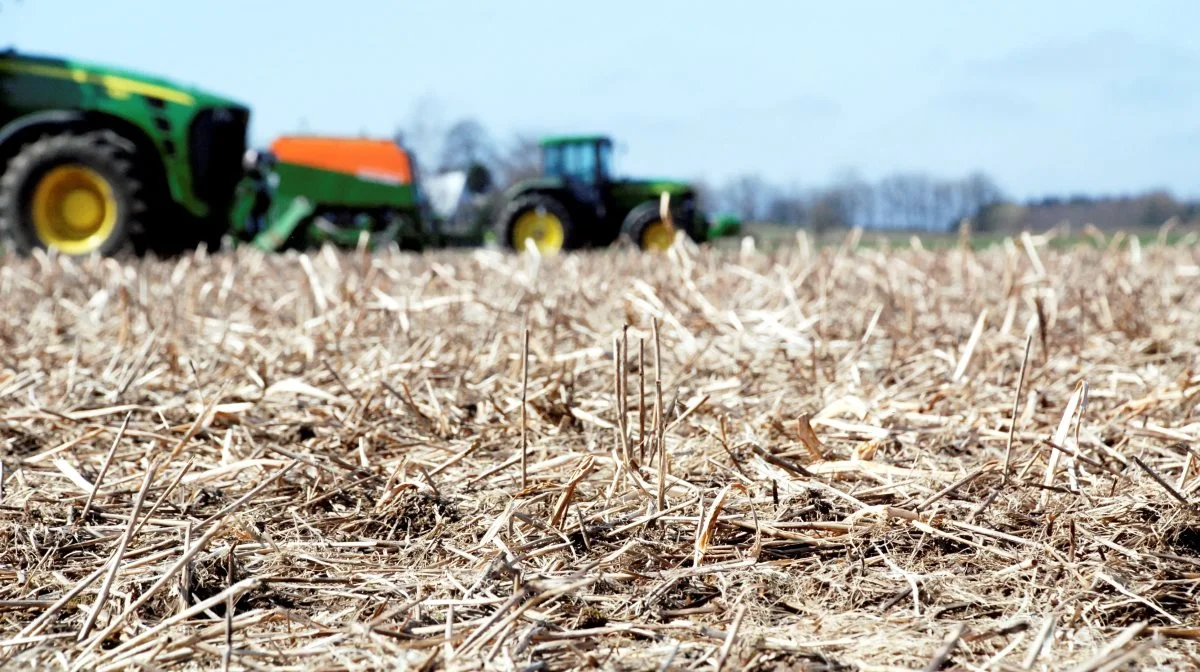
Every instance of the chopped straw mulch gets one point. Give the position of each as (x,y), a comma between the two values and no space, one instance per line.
(324,461)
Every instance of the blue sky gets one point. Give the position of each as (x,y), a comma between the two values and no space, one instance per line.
(1051,97)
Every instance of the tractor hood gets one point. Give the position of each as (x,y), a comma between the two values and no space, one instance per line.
(117,81)
(654,185)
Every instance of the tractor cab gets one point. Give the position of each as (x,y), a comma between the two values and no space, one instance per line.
(586,159)
(583,164)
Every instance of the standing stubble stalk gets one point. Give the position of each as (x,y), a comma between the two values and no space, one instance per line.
(1012,427)
(658,419)
(624,373)
(115,563)
(619,401)
(641,400)
(524,401)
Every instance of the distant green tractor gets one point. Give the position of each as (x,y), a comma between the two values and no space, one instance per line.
(577,203)
(101,159)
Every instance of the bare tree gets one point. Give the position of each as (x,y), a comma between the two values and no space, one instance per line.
(746,195)
(947,209)
(857,199)
(979,192)
(830,209)
(521,159)
(466,144)
(788,206)
(909,200)
(423,132)
(893,199)
(707,196)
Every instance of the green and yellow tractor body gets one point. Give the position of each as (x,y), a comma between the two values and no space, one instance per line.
(577,202)
(92,154)
(97,159)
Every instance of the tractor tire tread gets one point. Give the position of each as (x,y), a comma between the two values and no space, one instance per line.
(102,148)
(572,238)
(635,223)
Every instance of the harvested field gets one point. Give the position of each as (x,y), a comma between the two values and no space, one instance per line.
(325,462)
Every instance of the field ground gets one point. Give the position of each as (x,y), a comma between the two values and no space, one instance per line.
(325,462)
(769,236)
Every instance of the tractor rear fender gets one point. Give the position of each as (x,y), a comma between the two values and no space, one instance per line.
(639,211)
(24,130)
(555,191)
(581,210)
(543,185)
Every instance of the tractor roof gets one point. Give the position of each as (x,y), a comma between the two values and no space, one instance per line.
(552,140)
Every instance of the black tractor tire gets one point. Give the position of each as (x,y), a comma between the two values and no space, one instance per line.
(178,231)
(639,219)
(103,153)
(505,222)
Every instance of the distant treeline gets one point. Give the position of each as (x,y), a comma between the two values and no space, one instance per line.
(1150,209)
(904,201)
(919,202)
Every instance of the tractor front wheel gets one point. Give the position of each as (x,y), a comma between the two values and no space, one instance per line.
(74,193)
(540,220)
(646,228)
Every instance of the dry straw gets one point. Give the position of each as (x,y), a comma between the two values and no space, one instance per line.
(831,458)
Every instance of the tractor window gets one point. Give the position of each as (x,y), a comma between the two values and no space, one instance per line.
(580,162)
(605,152)
(552,160)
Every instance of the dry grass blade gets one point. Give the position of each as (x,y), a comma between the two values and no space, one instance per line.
(1113,648)
(564,500)
(808,437)
(87,506)
(1161,481)
(659,420)
(731,637)
(115,563)
(969,349)
(943,655)
(1012,426)
(708,524)
(1075,404)
(524,408)
(1038,648)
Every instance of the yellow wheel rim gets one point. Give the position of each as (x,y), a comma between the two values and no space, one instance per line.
(74,209)
(658,236)
(543,228)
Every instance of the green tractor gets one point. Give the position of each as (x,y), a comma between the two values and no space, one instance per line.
(96,159)
(576,203)
(101,160)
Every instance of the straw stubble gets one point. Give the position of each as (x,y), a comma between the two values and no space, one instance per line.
(856,469)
